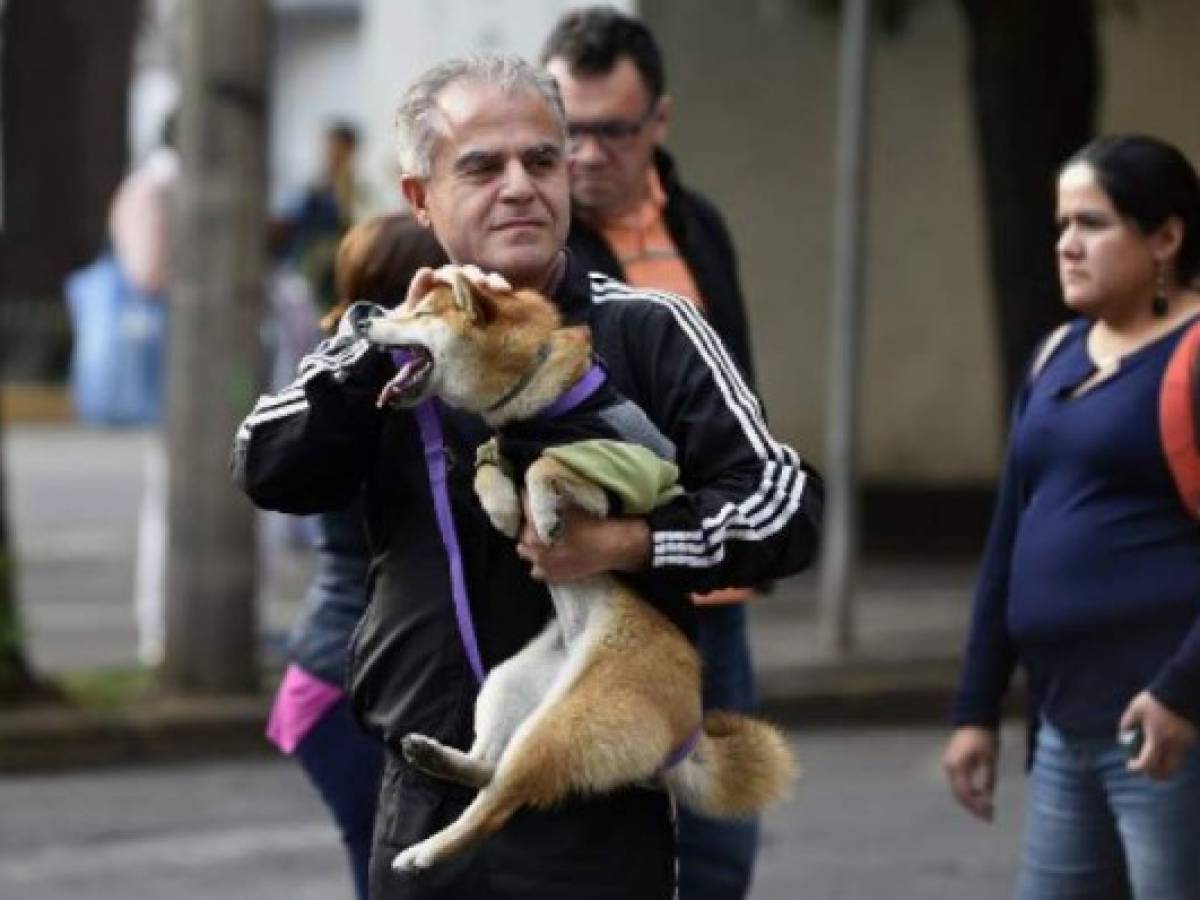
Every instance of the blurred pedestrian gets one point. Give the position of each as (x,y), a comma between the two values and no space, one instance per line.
(139,220)
(311,718)
(310,229)
(1091,576)
(484,161)
(140,229)
(633,219)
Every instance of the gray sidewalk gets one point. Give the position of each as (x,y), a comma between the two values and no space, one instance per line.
(74,496)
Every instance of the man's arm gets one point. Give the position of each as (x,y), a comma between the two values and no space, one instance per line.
(307,448)
(751,509)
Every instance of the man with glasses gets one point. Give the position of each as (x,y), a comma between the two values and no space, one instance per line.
(632,219)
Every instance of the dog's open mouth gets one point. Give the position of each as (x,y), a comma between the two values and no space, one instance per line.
(414,365)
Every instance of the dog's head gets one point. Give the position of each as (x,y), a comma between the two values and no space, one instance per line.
(462,342)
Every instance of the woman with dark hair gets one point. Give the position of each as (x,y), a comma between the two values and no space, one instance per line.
(311,718)
(1091,575)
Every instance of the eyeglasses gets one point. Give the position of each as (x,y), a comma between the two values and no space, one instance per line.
(610,132)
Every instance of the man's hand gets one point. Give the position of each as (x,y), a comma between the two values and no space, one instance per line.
(425,279)
(588,547)
(969,761)
(1167,736)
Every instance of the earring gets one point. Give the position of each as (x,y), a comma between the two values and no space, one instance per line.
(1159,305)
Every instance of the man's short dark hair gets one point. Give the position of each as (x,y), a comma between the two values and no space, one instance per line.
(592,40)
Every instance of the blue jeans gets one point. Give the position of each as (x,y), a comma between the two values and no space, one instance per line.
(1095,830)
(716,858)
(345,765)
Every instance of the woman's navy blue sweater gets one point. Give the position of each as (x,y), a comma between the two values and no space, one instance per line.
(1091,574)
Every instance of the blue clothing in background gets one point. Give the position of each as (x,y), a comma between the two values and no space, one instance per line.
(337,598)
(721,851)
(1091,575)
(118,350)
(345,764)
(342,761)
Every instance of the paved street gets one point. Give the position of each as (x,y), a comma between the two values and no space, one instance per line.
(871,819)
(74,495)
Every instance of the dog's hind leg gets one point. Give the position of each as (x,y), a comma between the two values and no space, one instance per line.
(447,763)
(484,817)
(533,771)
(512,691)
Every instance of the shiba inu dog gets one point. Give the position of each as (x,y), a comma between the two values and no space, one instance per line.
(609,693)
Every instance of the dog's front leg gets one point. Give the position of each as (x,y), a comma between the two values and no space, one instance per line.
(550,484)
(498,496)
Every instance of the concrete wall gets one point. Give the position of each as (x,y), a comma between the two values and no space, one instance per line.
(754,84)
(316,76)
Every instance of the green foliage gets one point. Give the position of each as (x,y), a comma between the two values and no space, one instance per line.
(17,683)
(10,621)
(109,689)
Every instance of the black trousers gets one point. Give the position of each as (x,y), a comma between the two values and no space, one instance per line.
(620,846)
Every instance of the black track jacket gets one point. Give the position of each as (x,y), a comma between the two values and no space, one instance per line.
(751,509)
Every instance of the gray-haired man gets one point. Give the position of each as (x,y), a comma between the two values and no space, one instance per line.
(483,149)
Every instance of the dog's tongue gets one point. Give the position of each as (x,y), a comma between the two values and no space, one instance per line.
(407,362)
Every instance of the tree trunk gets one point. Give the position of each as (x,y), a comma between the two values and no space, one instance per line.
(1035,84)
(66,67)
(216,297)
(17,683)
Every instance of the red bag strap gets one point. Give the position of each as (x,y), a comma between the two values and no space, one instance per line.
(1178,400)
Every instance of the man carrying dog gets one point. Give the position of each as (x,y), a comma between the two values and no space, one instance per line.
(631,218)
(483,147)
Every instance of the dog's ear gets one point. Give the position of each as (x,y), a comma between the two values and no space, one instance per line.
(476,302)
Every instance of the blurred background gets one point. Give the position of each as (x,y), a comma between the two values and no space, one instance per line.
(971,105)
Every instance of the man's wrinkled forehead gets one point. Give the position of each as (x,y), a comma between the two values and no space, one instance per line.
(468,109)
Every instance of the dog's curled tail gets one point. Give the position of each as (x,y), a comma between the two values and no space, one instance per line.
(739,766)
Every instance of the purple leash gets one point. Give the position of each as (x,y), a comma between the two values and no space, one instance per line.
(435,462)
(430,425)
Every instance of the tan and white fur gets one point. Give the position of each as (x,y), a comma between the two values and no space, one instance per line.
(611,687)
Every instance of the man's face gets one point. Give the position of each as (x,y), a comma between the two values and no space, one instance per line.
(497,195)
(615,128)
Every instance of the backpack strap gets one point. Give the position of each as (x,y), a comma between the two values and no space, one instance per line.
(1178,418)
(1052,342)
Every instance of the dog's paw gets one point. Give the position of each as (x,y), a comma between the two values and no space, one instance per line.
(546,517)
(416,859)
(498,497)
(550,528)
(423,752)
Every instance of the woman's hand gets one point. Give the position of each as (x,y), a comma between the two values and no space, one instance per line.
(1167,736)
(969,761)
